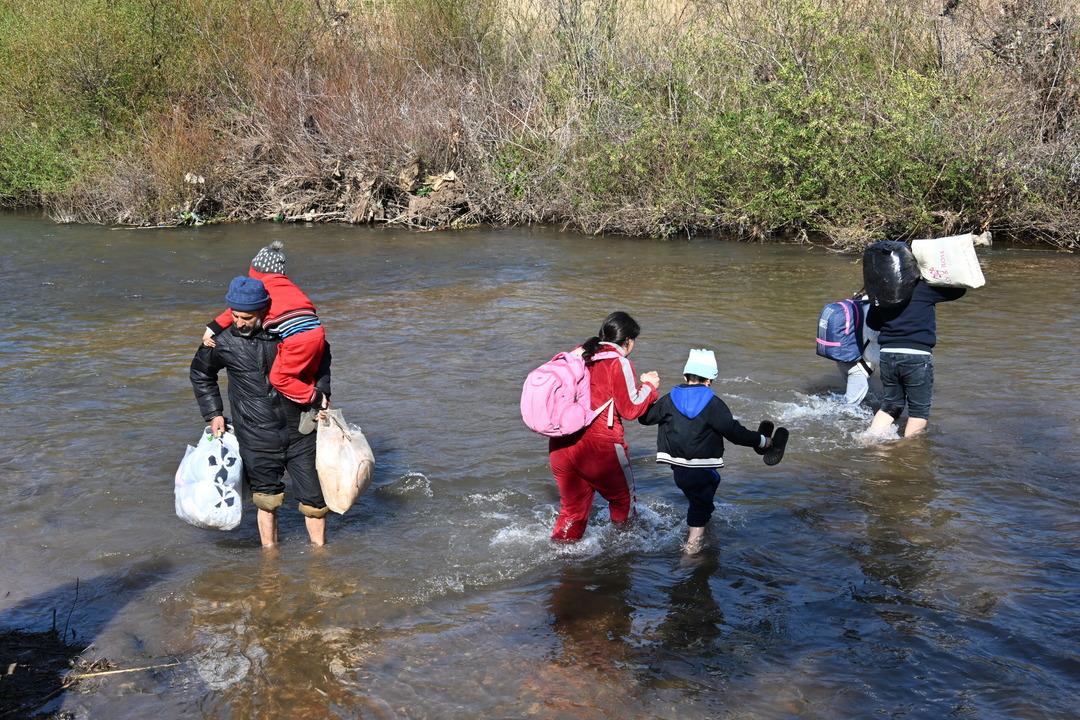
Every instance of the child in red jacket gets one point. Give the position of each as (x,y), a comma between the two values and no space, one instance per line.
(292,317)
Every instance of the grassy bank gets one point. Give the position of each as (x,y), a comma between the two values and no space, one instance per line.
(856,119)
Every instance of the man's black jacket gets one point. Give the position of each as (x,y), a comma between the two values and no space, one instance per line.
(261,417)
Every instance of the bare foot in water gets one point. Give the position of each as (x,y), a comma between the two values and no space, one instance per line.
(695,541)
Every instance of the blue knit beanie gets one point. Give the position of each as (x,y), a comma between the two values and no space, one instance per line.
(247,294)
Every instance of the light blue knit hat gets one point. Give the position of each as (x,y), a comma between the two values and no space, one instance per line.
(701,363)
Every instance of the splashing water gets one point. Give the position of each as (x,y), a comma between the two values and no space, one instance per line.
(412,483)
(818,423)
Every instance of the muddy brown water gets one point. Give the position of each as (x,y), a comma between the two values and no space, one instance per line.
(925,579)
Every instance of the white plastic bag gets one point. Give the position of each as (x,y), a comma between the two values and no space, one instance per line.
(208,483)
(344,461)
(949,261)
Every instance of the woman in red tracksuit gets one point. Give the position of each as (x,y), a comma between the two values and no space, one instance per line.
(597,459)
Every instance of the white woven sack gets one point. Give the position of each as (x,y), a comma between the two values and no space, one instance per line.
(949,261)
(344,461)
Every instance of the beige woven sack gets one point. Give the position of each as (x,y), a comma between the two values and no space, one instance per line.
(344,461)
(949,261)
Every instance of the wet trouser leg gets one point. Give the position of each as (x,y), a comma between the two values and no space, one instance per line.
(908,379)
(857,379)
(265,472)
(300,464)
(699,486)
(580,471)
(575,500)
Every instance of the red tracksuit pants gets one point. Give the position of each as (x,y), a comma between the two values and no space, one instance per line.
(297,362)
(582,469)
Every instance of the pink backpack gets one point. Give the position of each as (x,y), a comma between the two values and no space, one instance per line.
(555,398)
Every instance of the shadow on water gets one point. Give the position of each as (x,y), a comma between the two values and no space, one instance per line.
(279,638)
(590,668)
(694,620)
(903,531)
(590,614)
(41,636)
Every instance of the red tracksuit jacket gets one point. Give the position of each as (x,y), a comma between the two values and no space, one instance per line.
(285,298)
(616,379)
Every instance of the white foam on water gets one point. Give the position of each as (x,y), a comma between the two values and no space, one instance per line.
(411,483)
(520,541)
(817,423)
(657,526)
(731,515)
(829,407)
(656,522)
(443,585)
(528,533)
(869,439)
(524,544)
(744,379)
(498,498)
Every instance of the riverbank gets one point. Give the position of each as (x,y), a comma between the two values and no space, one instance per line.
(851,121)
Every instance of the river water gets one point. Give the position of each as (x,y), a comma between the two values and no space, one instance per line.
(919,579)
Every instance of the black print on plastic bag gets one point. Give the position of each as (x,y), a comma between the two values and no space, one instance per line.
(228,497)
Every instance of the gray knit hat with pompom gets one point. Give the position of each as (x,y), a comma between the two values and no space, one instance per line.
(270,259)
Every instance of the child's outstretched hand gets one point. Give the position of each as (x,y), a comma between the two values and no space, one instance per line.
(765,429)
(208,338)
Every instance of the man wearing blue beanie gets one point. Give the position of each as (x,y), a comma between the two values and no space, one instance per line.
(247,294)
(266,422)
(249,301)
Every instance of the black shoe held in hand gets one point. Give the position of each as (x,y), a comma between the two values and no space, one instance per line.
(776,452)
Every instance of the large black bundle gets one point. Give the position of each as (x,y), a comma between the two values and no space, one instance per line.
(890,272)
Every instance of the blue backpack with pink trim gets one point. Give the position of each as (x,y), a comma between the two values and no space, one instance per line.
(839,331)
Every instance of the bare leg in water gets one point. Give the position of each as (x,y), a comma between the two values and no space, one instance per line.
(883,422)
(694,541)
(267,522)
(316,529)
(914,426)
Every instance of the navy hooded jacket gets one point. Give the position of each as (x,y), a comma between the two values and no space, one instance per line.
(912,325)
(693,424)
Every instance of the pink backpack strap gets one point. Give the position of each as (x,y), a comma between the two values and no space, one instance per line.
(610,355)
(848,306)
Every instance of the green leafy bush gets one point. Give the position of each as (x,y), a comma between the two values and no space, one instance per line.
(853,119)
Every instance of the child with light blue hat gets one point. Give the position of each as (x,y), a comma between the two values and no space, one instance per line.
(693,424)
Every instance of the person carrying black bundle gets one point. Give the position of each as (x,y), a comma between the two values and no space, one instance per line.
(907,335)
